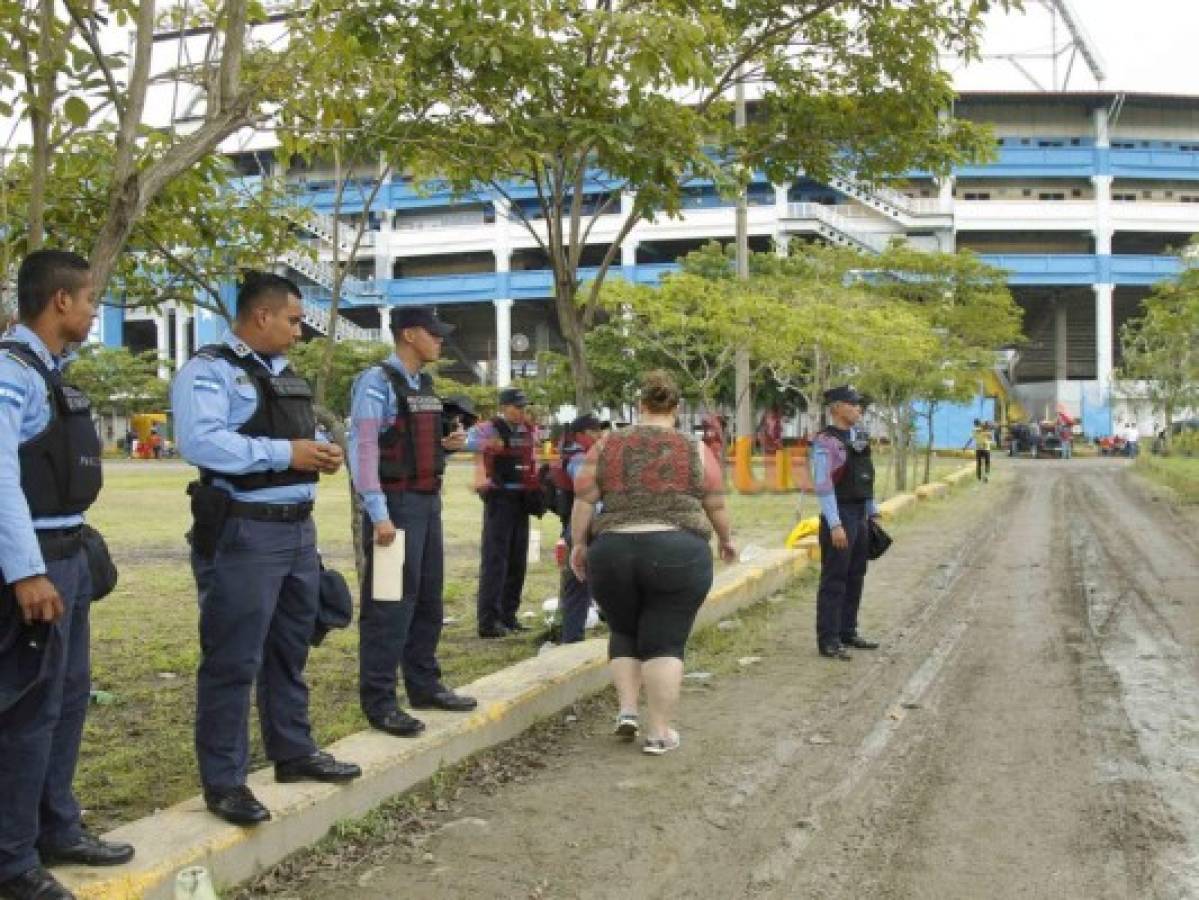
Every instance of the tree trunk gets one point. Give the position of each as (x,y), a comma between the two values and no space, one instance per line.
(899,444)
(573,332)
(928,451)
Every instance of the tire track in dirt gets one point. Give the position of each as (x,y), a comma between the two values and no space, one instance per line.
(1136,573)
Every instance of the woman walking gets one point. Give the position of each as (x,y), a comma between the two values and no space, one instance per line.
(646,553)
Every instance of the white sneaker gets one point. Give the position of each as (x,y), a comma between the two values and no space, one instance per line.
(626,727)
(662,746)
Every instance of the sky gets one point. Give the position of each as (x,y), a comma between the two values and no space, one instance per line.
(1145,45)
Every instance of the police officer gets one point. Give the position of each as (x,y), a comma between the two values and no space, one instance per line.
(506,479)
(399,438)
(49,476)
(247,421)
(575,595)
(843,476)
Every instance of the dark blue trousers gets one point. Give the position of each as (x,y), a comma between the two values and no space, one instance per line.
(258,603)
(574,601)
(842,574)
(403,635)
(505,555)
(40,734)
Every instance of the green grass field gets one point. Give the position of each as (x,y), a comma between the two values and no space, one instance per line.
(137,753)
(1179,473)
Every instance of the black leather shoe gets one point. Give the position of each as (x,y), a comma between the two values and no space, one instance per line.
(446,700)
(399,723)
(89,850)
(516,625)
(835,651)
(493,631)
(317,767)
(34,884)
(860,642)
(236,805)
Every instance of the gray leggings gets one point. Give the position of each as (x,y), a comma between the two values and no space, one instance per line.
(650,585)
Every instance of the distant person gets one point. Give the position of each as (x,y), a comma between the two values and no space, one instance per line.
(49,477)
(506,479)
(1065,437)
(770,432)
(1131,439)
(130,442)
(646,554)
(714,435)
(399,441)
(843,478)
(247,421)
(983,439)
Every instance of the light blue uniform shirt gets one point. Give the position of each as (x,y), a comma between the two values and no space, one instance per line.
(482,434)
(827,457)
(24,414)
(211,399)
(373,409)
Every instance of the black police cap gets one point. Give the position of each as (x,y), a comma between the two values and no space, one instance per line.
(419,317)
(843,394)
(513,397)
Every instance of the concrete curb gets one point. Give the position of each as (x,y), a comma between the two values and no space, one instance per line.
(510,701)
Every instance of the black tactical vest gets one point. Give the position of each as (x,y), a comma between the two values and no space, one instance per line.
(60,468)
(284,412)
(511,465)
(855,483)
(411,457)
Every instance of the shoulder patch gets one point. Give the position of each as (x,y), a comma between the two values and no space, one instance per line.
(11,393)
(15,357)
(241,348)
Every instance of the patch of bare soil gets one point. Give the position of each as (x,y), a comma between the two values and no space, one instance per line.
(1030,728)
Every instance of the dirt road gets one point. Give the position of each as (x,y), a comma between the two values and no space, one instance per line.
(1029,729)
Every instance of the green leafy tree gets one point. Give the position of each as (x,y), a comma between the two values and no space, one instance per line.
(1161,349)
(967,308)
(118,381)
(91,123)
(349,358)
(585,118)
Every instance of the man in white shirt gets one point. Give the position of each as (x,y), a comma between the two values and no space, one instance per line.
(1131,436)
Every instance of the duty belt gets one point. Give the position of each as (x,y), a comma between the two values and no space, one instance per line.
(60,543)
(271,512)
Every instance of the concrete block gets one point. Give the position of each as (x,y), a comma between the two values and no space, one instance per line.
(929,491)
(892,507)
(959,475)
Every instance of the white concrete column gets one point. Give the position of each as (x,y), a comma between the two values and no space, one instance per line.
(384,322)
(1060,347)
(182,320)
(503,343)
(945,192)
(780,199)
(162,343)
(1103,337)
(628,252)
(1103,136)
(1103,214)
(383,256)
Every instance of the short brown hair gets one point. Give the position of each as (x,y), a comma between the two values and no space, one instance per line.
(659,391)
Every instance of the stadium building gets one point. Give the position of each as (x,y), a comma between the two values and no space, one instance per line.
(1087,203)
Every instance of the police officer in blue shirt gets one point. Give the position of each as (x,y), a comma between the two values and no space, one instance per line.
(247,421)
(399,437)
(49,475)
(506,479)
(843,476)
